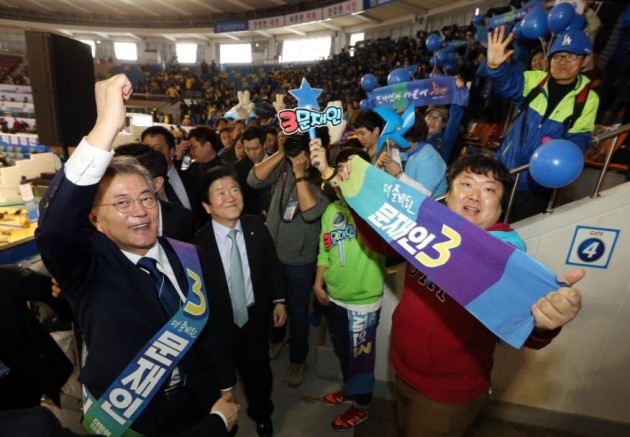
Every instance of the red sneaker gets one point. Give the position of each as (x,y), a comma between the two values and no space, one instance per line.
(336,398)
(348,420)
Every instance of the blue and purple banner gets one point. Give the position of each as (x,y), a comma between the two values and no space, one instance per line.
(435,91)
(493,280)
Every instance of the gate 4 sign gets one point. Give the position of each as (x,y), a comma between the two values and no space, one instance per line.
(592,247)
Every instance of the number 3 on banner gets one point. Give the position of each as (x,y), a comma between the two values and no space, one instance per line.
(443,249)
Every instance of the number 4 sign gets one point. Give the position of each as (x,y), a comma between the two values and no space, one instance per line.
(592,247)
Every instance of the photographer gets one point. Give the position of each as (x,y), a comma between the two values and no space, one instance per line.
(297,204)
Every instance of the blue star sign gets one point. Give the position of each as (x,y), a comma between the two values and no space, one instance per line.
(306,96)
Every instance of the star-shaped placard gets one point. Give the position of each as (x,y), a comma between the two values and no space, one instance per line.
(306,96)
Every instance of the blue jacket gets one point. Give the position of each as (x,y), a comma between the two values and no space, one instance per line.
(514,150)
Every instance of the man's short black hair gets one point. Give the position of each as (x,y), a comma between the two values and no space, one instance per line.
(368,120)
(345,154)
(159,130)
(481,164)
(253,132)
(215,173)
(152,160)
(203,134)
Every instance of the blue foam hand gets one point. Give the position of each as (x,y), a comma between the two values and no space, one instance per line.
(396,126)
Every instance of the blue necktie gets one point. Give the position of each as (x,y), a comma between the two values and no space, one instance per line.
(237,283)
(166,291)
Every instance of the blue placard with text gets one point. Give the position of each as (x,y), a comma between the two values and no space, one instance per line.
(592,247)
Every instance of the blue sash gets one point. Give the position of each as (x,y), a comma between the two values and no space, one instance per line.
(133,389)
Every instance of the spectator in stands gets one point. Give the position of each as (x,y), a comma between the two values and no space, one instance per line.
(553,105)
(297,204)
(442,354)
(181,187)
(221,124)
(204,148)
(537,61)
(443,124)
(238,128)
(424,168)
(368,126)
(172,93)
(227,152)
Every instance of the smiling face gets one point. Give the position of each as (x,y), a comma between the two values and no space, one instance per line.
(435,122)
(539,62)
(134,231)
(476,197)
(226,201)
(564,71)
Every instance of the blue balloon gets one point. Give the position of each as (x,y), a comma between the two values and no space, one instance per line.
(578,23)
(369,82)
(518,30)
(433,61)
(451,58)
(364,105)
(441,57)
(560,16)
(477,19)
(398,75)
(556,163)
(534,24)
(433,42)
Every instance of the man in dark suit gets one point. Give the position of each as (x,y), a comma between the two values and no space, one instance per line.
(175,221)
(256,199)
(115,301)
(261,284)
(181,187)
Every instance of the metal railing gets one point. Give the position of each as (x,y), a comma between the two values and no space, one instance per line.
(613,133)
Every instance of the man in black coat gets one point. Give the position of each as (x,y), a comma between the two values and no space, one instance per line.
(180,186)
(261,286)
(115,301)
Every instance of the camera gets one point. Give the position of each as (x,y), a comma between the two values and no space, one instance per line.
(295,144)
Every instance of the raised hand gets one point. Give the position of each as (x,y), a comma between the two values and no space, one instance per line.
(111,95)
(279,103)
(318,156)
(559,307)
(498,42)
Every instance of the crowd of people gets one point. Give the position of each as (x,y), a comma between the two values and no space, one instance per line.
(168,325)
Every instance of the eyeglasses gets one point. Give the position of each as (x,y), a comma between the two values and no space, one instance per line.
(568,57)
(126,204)
(433,117)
